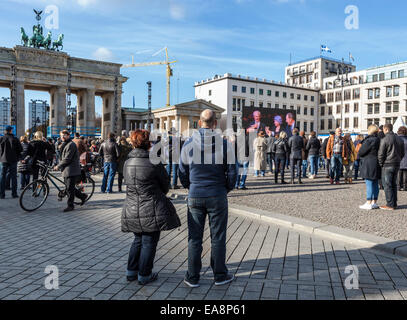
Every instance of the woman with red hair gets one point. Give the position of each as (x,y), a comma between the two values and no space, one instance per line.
(147,211)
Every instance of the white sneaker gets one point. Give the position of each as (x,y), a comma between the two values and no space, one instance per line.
(375,206)
(366,206)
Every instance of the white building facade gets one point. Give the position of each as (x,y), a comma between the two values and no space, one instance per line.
(232,93)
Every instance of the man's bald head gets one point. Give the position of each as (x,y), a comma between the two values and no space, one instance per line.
(207,119)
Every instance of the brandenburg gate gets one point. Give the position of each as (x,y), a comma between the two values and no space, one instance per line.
(29,68)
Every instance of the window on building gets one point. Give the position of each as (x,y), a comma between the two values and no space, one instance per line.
(305,111)
(338,108)
(355,122)
(329,111)
(356,93)
(298,97)
(284,106)
(396,91)
(347,108)
(338,123)
(370,109)
(322,111)
(298,110)
(312,98)
(277,106)
(268,105)
(251,103)
(261,91)
(252,91)
(331,97)
(277,94)
(346,123)
(260,104)
(234,104)
(376,108)
(210,92)
(305,97)
(356,107)
(292,107)
(370,94)
(305,126)
(243,89)
(269,93)
(377,93)
(347,94)
(389,91)
(291,95)
(374,78)
(322,124)
(312,112)
(311,126)
(299,125)
(394,74)
(338,96)
(396,106)
(401,73)
(284,94)
(234,88)
(381,77)
(243,103)
(329,124)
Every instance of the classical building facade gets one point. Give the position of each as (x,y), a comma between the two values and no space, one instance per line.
(232,93)
(37,69)
(182,117)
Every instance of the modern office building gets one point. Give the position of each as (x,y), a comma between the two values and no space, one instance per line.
(38,113)
(233,92)
(4,112)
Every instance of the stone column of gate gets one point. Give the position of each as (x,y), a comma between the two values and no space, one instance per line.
(90,116)
(80,112)
(107,113)
(20,130)
(58,109)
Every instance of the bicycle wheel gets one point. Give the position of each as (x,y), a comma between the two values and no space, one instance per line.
(34,195)
(87,187)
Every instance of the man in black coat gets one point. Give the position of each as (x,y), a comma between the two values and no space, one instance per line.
(391,152)
(296,145)
(10,150)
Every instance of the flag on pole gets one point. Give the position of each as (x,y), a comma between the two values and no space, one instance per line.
(351,58)
(325,48)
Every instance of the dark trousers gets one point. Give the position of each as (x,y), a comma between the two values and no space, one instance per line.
(24,179)
(142,253)
(11,170)
(389,180)
(328,167)
(280,166)
(72,191)
(403,179)
(120,181)
(296,163)
(270,160)
(172,166)
(356,166)
(217,210)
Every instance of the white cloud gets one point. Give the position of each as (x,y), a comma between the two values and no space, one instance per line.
(177,11)
(103,54)
(86,3)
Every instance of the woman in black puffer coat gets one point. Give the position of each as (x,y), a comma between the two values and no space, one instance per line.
(37,150)
(370,169)
(23,167)
(147,211)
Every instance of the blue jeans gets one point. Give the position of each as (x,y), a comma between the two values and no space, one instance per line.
(261,172)
(11,170)
(372,189)
(241,178)
(174,167)
(109,171)
(217,210)
(313,159)
(141,255)
(304,168)
(24,179)
(336,166)
(389,180)
(270,160)
(321,162)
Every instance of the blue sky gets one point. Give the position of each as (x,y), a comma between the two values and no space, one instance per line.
(247,37)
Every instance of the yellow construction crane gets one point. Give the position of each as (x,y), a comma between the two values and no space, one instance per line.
(166,62)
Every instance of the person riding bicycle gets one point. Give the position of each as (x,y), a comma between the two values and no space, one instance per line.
(71,170)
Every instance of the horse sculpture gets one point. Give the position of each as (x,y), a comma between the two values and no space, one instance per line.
(24,37)
(47,41)
(37,39)
(58,43)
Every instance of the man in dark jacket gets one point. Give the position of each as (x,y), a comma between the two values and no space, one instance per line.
(296,145)
(109,150)
(391,152)
(304,154)
(209,176)
(10,149)
(71,170)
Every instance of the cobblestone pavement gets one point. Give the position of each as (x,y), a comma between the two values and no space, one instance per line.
(90,251)
(317,200)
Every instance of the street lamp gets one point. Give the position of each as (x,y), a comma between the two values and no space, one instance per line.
(342,79)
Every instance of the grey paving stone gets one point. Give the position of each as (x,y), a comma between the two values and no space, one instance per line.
(287,297)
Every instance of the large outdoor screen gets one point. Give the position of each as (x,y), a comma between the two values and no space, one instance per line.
(271,121)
